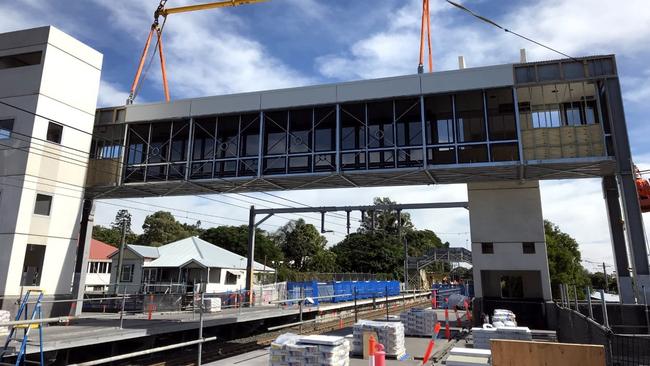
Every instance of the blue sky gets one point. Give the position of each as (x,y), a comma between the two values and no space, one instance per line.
(284,43)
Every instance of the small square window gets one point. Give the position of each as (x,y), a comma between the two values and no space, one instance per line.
(6,126)
(487,248)
(528,248)
(54,132)
(33,265)
(43,204)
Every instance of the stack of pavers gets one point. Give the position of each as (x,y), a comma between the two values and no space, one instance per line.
(294,350)
(482,336)
(389,334)
(419,322)
(5,316)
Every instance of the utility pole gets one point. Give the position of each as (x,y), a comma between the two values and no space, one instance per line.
(120,256)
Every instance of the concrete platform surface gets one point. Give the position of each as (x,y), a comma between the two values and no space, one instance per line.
(94,328)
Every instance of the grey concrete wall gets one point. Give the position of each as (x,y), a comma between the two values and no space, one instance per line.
(508,214)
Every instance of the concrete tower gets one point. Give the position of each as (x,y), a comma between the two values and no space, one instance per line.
(49,83)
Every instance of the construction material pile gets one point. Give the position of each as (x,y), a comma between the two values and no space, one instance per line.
(390,334)
(419,322)
(5,316)
(291,349)
(504,318)
(482,336)
(212,305)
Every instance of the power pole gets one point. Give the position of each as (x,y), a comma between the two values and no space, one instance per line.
(605,274)
(120,256)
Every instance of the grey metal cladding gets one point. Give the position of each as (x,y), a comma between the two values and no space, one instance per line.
(379,88)
(467,79)
(225,104)
(297,97)
(158,111)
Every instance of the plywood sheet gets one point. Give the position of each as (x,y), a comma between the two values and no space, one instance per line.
(522,353)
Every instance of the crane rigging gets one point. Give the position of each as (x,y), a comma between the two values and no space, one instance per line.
(426,28)
(157,29)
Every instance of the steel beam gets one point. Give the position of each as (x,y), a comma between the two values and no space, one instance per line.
(83,251)
(251,255)
(405,206)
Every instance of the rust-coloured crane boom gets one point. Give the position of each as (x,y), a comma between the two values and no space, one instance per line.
(157,29)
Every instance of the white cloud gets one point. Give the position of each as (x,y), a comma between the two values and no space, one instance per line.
(637,88)
(111,94)
(207,53)
(570,26)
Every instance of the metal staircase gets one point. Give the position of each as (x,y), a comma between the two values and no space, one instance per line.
(27,325)
(436,255)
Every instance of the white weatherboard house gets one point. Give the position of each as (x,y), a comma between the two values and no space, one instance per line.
(179,266)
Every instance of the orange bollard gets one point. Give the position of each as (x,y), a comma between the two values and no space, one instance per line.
(459,324)
(447,330)
(150,307)
(372,344)
(380,355)
(434,300)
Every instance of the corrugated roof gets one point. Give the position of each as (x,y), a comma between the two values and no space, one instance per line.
(100,250)
(182,252)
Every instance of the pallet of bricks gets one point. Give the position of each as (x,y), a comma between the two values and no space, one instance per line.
(5,316)
(294,350)
(482,336)
(389,334)
(419,322)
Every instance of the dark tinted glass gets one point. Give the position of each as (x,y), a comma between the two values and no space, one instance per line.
(439,119)
(300,131)
(325,129)
(180,137)
(408,122)
(228,136)
(275,132)
(501,114)
(469,117)
(353,128)
(380,124)
(472,154)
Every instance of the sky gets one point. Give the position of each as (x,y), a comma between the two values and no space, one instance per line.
(287,43)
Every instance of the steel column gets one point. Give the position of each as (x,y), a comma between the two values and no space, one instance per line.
(629,197)
(617,232)
(83,251)
(251,255)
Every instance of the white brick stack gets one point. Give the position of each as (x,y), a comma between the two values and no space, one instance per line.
(212,305)
(482,336)
(5,316)
(291,349)
(419,322)
(389,334)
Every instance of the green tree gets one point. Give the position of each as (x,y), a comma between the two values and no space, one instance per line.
(299,242)
(385,220)
(162,228)
(113,235)
(563,259)
(597,281)
(235,239)
(421,241)
(371,252)
(324,261)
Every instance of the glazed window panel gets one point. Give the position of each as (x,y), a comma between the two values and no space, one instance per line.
(300,164)
(248,167)
(276,165)
(159,143)
(353,161)
(204,139)
(275,132)
(380,124)
(300,131)
(176,172)
(504,152)
(180,140)
(156,173)
(324,162)
(441,155)
(137,144)
(409,158)
(325,128)
(439,119)
(472,154)
(501,114)
(408,122)
(383,159)
(227,137)
(470,121)
(250,135)
(226,168)
(353,126)
(134,174)
(201,170)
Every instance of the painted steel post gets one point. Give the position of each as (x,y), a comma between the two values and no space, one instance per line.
(591,310)
(356,314)
(575,297)
(386,303)
(251,255)
(122,311)
(198,362)
(604,306)
(645,302)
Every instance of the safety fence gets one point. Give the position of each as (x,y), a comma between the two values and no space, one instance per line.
(621,349)
(340,291)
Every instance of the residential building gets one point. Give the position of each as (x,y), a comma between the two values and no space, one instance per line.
(179,267)
(98,276)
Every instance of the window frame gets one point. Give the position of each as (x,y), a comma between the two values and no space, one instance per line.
(49,209)
(526,247)
(51,124)
(487,248)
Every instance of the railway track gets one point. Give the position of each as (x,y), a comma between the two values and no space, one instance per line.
(215,351)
